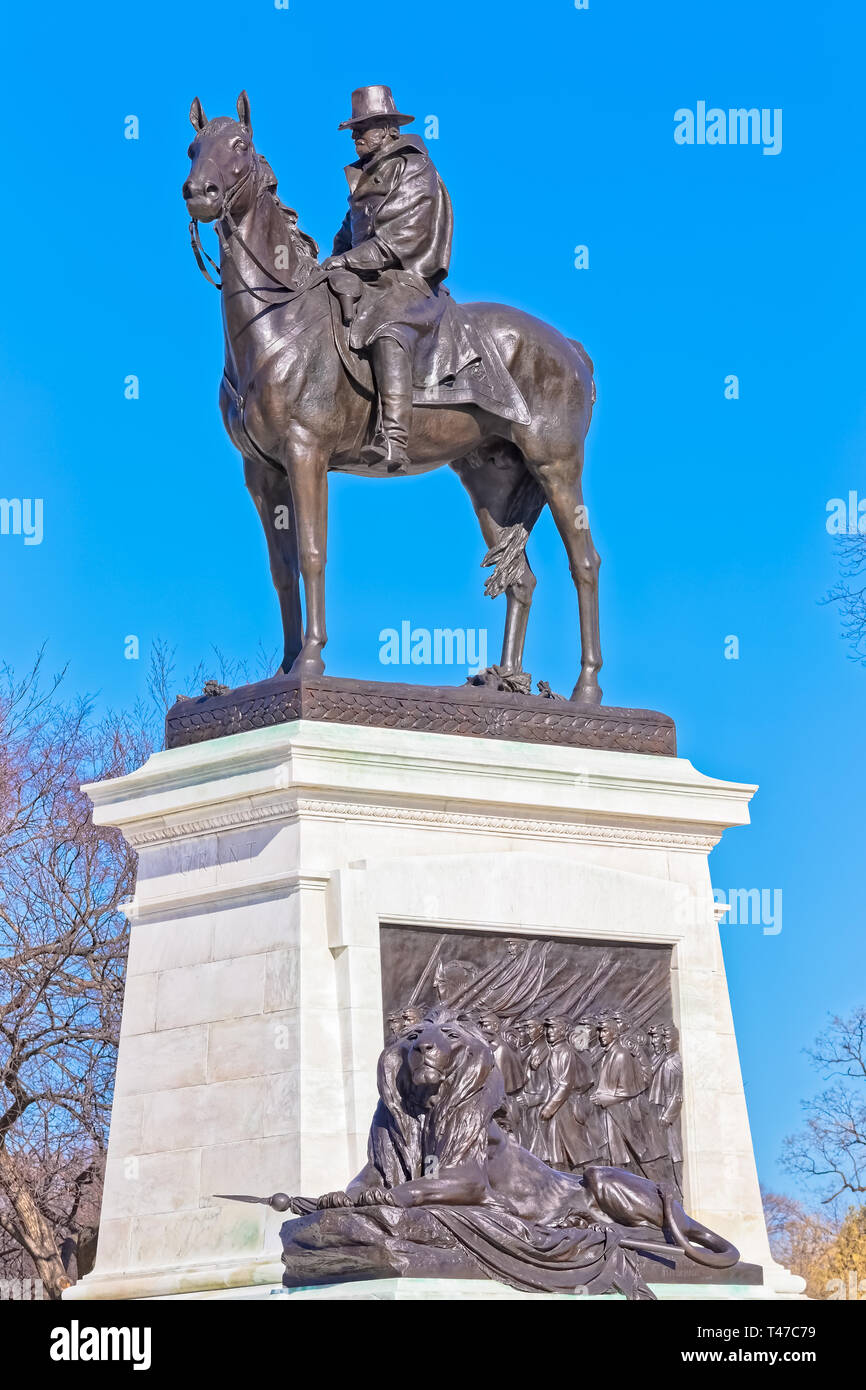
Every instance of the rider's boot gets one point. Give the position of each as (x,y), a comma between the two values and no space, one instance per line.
(393,372)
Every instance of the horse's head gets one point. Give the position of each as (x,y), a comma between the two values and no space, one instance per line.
(223,160)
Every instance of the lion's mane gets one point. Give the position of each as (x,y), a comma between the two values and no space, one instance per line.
(456,1118)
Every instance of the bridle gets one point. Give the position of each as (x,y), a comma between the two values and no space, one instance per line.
(229,237)
(234,234)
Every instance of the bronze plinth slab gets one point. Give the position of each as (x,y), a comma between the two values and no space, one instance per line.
(467,710)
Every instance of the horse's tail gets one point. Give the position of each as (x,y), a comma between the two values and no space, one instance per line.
(507,556)
(525,505)
(587,362)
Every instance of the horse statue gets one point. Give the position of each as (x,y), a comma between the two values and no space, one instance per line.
(297,403)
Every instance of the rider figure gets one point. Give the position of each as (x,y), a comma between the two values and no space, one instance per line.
(397,237)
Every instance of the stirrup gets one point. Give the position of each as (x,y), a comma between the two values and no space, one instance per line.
(385,450)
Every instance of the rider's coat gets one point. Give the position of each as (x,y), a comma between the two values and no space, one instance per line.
(397,236)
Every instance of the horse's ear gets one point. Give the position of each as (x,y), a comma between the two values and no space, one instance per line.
(196,115)
(244,112)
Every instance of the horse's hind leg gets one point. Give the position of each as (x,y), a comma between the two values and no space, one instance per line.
(518,600)
(269,489)
(504,496)
(562,488)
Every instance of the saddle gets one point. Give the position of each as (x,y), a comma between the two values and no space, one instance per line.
(484,381)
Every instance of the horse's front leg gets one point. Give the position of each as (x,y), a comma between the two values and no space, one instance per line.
(272,495)
(307,468)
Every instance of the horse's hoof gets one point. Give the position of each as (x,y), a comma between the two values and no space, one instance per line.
(285,667)
(499,678)
(588,696)
(308,666)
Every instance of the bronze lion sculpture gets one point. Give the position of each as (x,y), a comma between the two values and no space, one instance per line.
(446,1192)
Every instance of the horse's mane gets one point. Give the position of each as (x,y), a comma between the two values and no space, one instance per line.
(267,181)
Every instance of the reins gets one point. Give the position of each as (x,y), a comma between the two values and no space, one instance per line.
(279,286)
(230,237)
(198,251)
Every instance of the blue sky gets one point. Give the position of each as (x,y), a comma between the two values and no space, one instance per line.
(555,129)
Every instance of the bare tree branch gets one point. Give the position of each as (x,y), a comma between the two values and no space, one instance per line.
(850,594)
(831,1148)
(63,944)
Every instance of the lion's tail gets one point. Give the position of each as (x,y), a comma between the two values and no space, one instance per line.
(701,1244)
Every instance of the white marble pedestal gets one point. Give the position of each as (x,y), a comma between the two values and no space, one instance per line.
(478,1291)
(253,1020)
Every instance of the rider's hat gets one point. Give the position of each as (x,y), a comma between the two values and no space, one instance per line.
(370,102)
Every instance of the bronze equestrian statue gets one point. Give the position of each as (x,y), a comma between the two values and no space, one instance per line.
(365,365)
